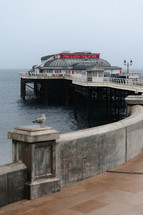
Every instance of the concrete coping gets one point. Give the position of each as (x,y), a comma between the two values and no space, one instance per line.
(135,117)
(134,100)
(33,134)
(33,128)
(12,167)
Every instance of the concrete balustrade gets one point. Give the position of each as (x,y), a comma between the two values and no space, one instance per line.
(45,161)
(88,152)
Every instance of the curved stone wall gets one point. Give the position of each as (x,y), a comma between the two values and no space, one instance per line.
(73,157)
(85,153)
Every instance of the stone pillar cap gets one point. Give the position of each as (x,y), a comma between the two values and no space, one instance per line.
(33,133)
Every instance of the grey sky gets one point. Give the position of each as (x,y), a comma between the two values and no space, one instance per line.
(31,29)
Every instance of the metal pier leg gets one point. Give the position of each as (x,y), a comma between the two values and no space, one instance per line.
(107,108)
(35,88)
(45,92)
(23,89)
(89,106)
(67,95)
(75,104)
(89,110)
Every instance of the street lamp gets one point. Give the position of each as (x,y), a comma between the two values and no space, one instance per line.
(128,64)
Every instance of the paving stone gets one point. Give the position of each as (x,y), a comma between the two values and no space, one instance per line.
(89,206)
(112,209)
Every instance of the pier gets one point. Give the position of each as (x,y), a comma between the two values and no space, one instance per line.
(71,77)
(42,82)
(74,89)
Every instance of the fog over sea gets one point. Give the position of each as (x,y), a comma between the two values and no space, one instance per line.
(14,112)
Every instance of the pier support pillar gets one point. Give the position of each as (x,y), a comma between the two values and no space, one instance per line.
(110,103)
(75,104)
(89,106)
(115,101)
(45,92)
(35,88)
(23,89)
(106,98)
(35,147)
(67,95)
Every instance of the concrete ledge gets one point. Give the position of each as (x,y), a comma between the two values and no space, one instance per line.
(33,133)
(134,100)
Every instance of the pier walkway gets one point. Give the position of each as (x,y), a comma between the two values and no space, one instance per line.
(116,192)
(116,83)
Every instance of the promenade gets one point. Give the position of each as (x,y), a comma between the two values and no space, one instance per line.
(117,192)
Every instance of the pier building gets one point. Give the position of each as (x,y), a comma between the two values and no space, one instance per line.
(75,64)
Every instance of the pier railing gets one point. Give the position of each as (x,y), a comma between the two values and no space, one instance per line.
(84,79)
(125,81)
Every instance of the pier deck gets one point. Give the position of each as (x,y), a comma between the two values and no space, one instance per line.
(129,85)
(119,192)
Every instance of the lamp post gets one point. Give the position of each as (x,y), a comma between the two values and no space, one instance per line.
(128,64)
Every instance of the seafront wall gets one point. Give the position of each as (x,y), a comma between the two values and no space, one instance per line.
(88,152)
(44,161)
(12,182)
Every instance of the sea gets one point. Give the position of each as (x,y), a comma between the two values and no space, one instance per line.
(15,112)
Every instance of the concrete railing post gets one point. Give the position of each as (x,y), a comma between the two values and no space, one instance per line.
(131,101)
(36,148)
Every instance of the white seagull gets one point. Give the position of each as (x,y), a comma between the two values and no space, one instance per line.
(40,120)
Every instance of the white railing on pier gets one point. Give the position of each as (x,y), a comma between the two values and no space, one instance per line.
(32,74)
(126,81)
(79,78)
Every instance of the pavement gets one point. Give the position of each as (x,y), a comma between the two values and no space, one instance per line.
(118,192)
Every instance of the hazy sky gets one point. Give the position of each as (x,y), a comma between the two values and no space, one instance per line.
(30,29)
